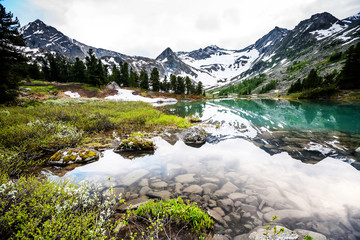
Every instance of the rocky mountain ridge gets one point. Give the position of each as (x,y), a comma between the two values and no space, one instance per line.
(311,41)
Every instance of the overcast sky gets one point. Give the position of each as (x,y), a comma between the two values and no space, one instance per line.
(147,27)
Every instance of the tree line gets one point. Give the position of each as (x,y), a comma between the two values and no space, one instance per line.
(56,68)
(348,78)
(94,72)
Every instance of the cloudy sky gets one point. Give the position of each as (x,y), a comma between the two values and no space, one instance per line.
(147,27)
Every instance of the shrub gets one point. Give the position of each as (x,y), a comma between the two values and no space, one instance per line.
(169,216)
(40,209)
(270,86)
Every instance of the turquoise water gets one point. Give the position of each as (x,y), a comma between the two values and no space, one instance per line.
(255,147)
(283,114)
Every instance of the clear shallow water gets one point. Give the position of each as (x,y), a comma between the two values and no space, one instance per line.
(323,197)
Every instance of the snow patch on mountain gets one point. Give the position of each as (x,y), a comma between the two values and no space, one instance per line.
(335,28)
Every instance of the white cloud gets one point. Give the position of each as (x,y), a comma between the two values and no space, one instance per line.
(147,27)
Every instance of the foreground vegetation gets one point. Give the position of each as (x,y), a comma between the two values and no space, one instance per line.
(31,208)
(35,208)
(29,133)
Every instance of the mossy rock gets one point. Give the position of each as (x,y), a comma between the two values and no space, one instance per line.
(135,143)
(70,156)
(194,136)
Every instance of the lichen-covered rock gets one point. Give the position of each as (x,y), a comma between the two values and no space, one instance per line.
(358,150)
(69,156)
(194,136)
(135,143)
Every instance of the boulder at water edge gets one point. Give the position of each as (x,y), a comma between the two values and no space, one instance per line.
(69,156)
(194,136)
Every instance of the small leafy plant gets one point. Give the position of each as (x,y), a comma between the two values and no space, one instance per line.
(168,218)
(274,229)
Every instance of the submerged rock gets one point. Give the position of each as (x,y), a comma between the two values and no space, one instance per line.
(135,143)
(194,136)
(70,156)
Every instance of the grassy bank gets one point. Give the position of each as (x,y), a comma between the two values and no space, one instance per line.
(30,132)
(38,208)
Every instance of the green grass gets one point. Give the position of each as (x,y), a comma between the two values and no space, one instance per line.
(40,89)
(28,133)
(297,66)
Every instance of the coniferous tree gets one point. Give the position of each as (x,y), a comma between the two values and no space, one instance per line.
(312,80)
(91,68)
(125,74)
(134,78)
(144,80)
(115,75)
(78,72)
(101,72)
(172,82)
(189,86)
(9,55)
(199,88)
(350,75)
(34,71)
(154,79)
(165,85)
(180,85)
(295,87)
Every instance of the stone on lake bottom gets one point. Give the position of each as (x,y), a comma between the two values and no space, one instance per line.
(161,195)
(185,178)
(134,176)
(193,189)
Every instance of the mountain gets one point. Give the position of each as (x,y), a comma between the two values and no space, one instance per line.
(281,54)
(41,39)
(311,42)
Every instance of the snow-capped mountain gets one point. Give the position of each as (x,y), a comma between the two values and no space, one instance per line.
(310,41)
(38,36)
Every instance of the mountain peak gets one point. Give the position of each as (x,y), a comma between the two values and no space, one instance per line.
(352,19)
(165,54)
(319,21)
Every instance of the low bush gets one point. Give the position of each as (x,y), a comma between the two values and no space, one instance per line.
(41,209)
(167,219)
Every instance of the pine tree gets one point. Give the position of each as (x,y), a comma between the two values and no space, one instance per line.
(9,55)
(295,87)
(144,80)
(101,73)
(78,72)
(154,79)
(312,80)
(189,86)
(350,75)
(134,79)
(115,75)
(172,82)
(91,68)
(199,88)
(165,85)
(124,74)
(180,85)
(34,71)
